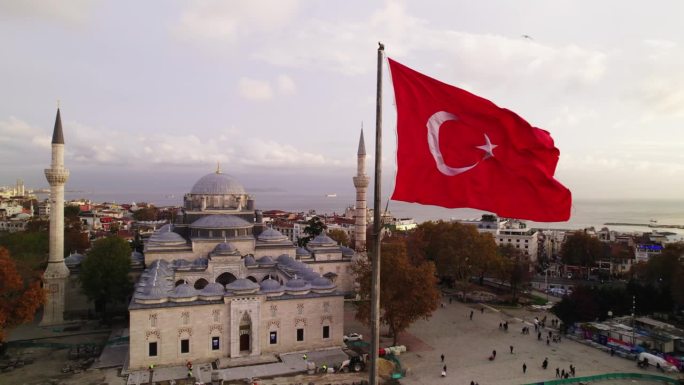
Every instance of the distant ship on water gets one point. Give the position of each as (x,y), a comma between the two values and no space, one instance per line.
(333,195)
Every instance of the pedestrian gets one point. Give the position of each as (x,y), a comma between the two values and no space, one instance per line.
(524,368)
(443,373)
(545,364)
(563,373)
(450,299)
(304,357)
(444,368)
(500,325)
(539,336)
(612,352)
(557,373)
(471,315)
(482,310)
(550,333)
(511,349)
(572,370)
(547,341)
(506,326)
(472,382)
(442,357)
(494,353)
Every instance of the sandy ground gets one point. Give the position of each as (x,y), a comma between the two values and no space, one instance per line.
(48,364)
(467,344)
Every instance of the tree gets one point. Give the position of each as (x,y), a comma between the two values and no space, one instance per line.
(28,248)
(149,213)
(104,273)
(458,250)
(339,236)
(408,292)
(19,297)
(314,227)
(516,268)
(581,249)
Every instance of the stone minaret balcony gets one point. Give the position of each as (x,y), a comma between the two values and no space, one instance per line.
(56,177)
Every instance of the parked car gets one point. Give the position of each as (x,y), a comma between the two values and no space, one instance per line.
(352,337)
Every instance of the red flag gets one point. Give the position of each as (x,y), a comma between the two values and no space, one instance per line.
(456,149)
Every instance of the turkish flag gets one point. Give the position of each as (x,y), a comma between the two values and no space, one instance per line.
(456,149)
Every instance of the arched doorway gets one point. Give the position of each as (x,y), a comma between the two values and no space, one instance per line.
(245,333)
(201,283)
(252,279)
(225,278)
(179,282)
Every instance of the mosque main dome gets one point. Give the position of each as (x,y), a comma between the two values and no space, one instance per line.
(217,183)
(218,193)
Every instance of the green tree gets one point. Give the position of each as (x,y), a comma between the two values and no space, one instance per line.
(581,249)
(408,292)
(339,236)
(314,227)
(516,268)
(104,273)
(28,248)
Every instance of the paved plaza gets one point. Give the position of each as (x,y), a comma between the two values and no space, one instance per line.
(467,345)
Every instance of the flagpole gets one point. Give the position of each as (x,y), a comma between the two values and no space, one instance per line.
(377,228)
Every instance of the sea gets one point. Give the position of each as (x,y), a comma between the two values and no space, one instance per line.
(644,215)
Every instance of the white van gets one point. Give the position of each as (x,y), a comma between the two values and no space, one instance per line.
(653,360)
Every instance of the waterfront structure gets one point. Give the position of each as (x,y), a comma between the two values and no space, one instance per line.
(361,181)
(221,286)
(56,273)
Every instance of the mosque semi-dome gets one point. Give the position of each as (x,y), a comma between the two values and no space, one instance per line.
(217,183)
(272,235)
(220,222)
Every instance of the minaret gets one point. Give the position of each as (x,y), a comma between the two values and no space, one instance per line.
(56,273)
(361,183)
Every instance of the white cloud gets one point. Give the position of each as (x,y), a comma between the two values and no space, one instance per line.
(253,89)
(70,12)
(87,146)
(286,85)
(232,20)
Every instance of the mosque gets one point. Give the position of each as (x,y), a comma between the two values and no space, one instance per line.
(221,285)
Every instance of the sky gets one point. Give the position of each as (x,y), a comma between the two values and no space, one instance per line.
(154,93)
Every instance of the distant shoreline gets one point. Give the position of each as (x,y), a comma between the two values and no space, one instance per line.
(644,225)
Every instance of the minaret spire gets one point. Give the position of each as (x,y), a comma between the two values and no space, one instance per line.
(361,181)
(56,273)
(218,167)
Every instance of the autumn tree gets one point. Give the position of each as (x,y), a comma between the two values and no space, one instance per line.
(19,297)
(581,249)
(104,273)
(339,236)
(459,251)
(665,270)
(149,213)
(408,292)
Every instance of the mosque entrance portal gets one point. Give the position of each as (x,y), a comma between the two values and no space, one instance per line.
(245,333)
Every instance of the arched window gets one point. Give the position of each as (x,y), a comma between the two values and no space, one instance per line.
(225,278)
(180,282)
(252,279)
(201,283)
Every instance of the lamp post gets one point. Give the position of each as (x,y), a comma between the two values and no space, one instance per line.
(633,321)
(546,284)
